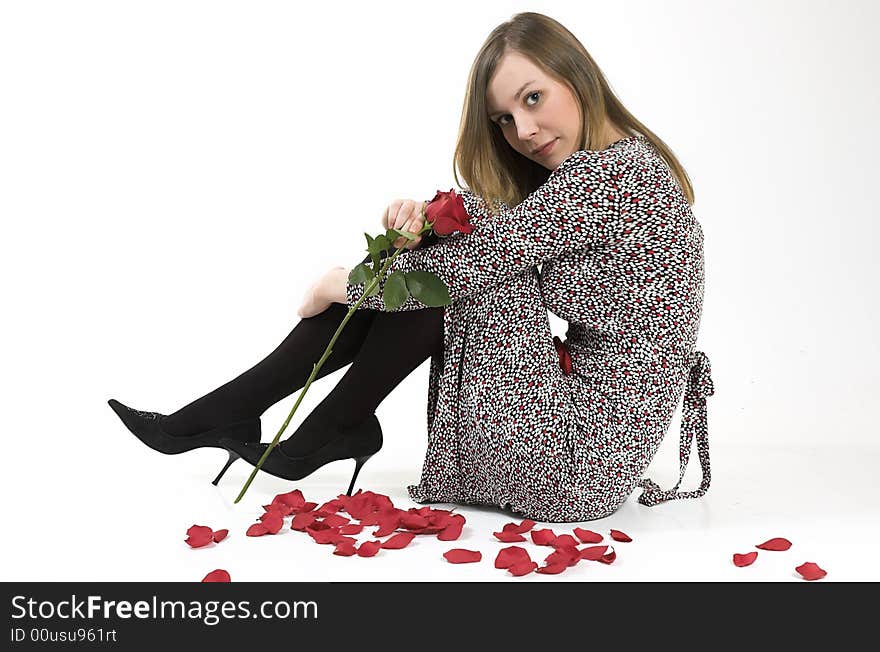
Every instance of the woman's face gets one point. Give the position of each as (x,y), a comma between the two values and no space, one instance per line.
(533,110)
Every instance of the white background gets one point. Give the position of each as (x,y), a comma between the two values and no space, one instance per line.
(174,175)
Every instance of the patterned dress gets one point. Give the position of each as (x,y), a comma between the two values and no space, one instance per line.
(621,260)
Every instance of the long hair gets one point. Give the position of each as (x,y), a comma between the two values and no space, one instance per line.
(490,167)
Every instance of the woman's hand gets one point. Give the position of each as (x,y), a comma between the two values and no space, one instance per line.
(329,289)
(406,215)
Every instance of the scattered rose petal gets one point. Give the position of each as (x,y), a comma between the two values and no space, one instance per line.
(617,535)
(398,541)
(452,531)
(608,558)
(344,549)
(303,520)
(552,569)
(509,537)
(810,571)
(327,535)
(256,530)
(777,543)
(568,555)
(462,556)
(293,499)
(199,535)
(218,575)
(522,568)
(351,528)
(387,525)
(593,553)
(511,555)
(336,520)
(525,526)
(219,535)
(413,521)
(744,560)
(543,537)
(565,541)
(282,508)
(587,536)
(272,521)
(369,548)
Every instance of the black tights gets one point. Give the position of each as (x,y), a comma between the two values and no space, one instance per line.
(383,348)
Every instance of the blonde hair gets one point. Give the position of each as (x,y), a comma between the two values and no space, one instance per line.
(494,170)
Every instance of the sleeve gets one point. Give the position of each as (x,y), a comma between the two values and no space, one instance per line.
(575,209)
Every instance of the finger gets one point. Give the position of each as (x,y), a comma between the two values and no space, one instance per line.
(414,243)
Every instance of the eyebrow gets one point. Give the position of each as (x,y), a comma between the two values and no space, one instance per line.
(515,97)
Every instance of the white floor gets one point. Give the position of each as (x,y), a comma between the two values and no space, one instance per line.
(116,511)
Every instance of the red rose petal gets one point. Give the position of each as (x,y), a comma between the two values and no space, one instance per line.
(543,537)
(509,536)
(293,499)
(351,528)
(330,507)
(336,520)
(778,543)
(587,536)
(199,535)
(567,555)
(522,568)
(218,575)
(303,520)
(369,548)
(282,508)
(256,530)
(593,553)
(413,521)
(219,535)
(608,558)
(326,535)
(387,525)
(272,521)
(344,549)
(617,535)
(810,571)
(525,526)
(744,560)
(462,556)
(565,541)
(511,555)
(399,540)
(452,531)
(552,569)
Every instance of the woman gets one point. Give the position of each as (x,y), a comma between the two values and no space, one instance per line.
(560,175)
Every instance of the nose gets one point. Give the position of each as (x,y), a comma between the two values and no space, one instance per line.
(525,127)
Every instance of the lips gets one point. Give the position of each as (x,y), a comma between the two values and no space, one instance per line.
(543,149)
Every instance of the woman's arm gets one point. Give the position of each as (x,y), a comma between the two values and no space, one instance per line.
(574,210)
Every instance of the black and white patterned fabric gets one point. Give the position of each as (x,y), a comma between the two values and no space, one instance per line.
(621,261)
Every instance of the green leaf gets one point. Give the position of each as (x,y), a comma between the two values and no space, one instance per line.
(395,292)
(360,274)
(374,291)
(428,289)
(393,234)
(381,243)
(369,241)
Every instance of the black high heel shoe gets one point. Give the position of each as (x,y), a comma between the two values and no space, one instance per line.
(147,426)
(359,443)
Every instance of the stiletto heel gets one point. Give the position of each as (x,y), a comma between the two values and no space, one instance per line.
(232,457)
(358,463)
(147,426)
(358,443)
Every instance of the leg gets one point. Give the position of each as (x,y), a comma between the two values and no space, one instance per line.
(281,373)
(395,345)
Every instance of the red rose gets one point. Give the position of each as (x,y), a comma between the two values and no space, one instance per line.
(447,215)
(564,357)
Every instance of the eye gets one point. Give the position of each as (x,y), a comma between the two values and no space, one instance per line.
(500,118)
